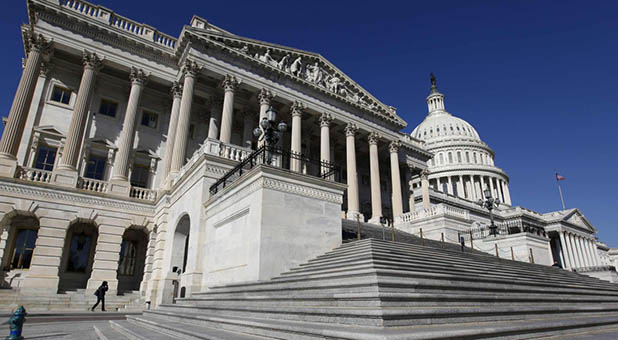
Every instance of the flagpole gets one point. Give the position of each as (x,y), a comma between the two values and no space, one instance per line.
(560,190)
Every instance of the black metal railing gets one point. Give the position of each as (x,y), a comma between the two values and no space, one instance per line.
(278,157)
(508,228)
(594,269)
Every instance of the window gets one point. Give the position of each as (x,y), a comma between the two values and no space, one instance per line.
(128,258)
(445,188)
(450,158)
(454,188)
(45,158)
(61,95)
(441,159)
(139,176)
(79,252)
(108,108)
(150,119)
(95,168)
(458,156)
(467,157)
(24,246)
(475,160)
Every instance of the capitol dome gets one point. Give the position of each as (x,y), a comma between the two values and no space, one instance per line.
(463,165)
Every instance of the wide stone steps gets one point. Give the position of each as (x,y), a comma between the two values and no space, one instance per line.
(373,289)
(78,300)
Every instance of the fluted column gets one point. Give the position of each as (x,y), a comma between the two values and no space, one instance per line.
(215,117)
(565,252)
(191,70)
(449,183)
(176,92)
(595,256)
(582,246)
(296,111)
(265,96)
(374,170)
(507,193)
(461,191)
(77,127)
(425,188)
(397,199)
(588,243)
(37,46)
(230,83)
(325,120)
(352,177)
(121,165)
(492,187)
(578,255)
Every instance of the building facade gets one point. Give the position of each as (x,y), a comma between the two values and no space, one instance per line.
(117,133)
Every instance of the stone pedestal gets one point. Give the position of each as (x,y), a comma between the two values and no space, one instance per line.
(8,167)
(65,177)
(119,187)
(267,222)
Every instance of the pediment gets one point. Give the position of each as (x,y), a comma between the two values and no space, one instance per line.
(578,219)
(309,68)
(104,142)
(49,130)
(148,153)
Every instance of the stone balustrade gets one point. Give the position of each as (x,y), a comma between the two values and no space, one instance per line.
(90,184)
(143,194)
(234,152)
(436,210)
(34,175)
(106,16)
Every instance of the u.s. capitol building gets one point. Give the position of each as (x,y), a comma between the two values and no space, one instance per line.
(119,135)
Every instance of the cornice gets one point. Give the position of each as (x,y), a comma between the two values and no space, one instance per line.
(58,194)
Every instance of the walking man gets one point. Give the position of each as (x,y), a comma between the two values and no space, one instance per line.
(100,294)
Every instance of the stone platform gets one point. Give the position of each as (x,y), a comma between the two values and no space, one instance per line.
(374,289)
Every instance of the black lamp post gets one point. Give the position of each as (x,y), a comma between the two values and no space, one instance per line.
(270,132)
(490,203)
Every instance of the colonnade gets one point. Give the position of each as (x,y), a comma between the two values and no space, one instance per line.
(471,186)
(578,251)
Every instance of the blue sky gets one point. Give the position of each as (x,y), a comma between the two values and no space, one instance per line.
(536,78)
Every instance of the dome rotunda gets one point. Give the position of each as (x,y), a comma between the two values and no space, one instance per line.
(463,165)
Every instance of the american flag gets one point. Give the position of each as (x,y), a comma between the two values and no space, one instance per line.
(559,178)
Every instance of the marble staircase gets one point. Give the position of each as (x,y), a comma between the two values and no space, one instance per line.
(69,301)
(374,289)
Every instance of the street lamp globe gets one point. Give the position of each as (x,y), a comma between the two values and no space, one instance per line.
(282,126)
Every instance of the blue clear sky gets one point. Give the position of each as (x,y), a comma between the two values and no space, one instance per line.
(538,79)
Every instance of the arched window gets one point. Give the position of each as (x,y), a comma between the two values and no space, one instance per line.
(23,248)
(128,257)
(450,158)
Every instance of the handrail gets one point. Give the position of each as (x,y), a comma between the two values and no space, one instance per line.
(274,156)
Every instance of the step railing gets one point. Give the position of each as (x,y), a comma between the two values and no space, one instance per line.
(104,15)
(143,194)
(436,210)
(34,175)
(90,184)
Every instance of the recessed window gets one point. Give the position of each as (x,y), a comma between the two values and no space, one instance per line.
(79,253)
(24,246)
(108,108)
(458,156)
(467,157)
(45,158)
(128,258)
(139,176)
(61,95)
(150,119)
(96,167)
(450,158)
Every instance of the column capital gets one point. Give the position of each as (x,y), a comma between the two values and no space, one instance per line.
(373,138)
(350,129)
(191,68)
(37,42)
(297,108)
(92,61)
(425,174)
(138,76)
(230,83)
(325,119)
(176,89)
(394,146)
(265,96)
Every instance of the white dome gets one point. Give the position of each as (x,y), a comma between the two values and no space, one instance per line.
(440,125)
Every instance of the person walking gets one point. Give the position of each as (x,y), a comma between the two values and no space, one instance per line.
(100,294)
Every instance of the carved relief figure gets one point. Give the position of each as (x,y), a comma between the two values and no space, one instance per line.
(296,67)
(283,63)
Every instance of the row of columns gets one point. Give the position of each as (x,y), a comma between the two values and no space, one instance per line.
(472,186)
(578,251)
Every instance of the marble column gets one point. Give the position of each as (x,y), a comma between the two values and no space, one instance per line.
(247,129)
(176,92)
(230,83)
(77,127)
(352,176)
(507,193)
(397,199)
(449,183)
(374,170)
(215,117)
(566,252)
(325,121)
(37,47)
(492,187)
(297,119)
(470,186)
(265,97)
(576,250)
(593,249)
(582,245)
(590,252)
(425,188)
(125,147)
(411,188)
(191,69)
(461,191)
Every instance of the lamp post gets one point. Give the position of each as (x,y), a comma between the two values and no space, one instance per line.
(490,203)
(270,132)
